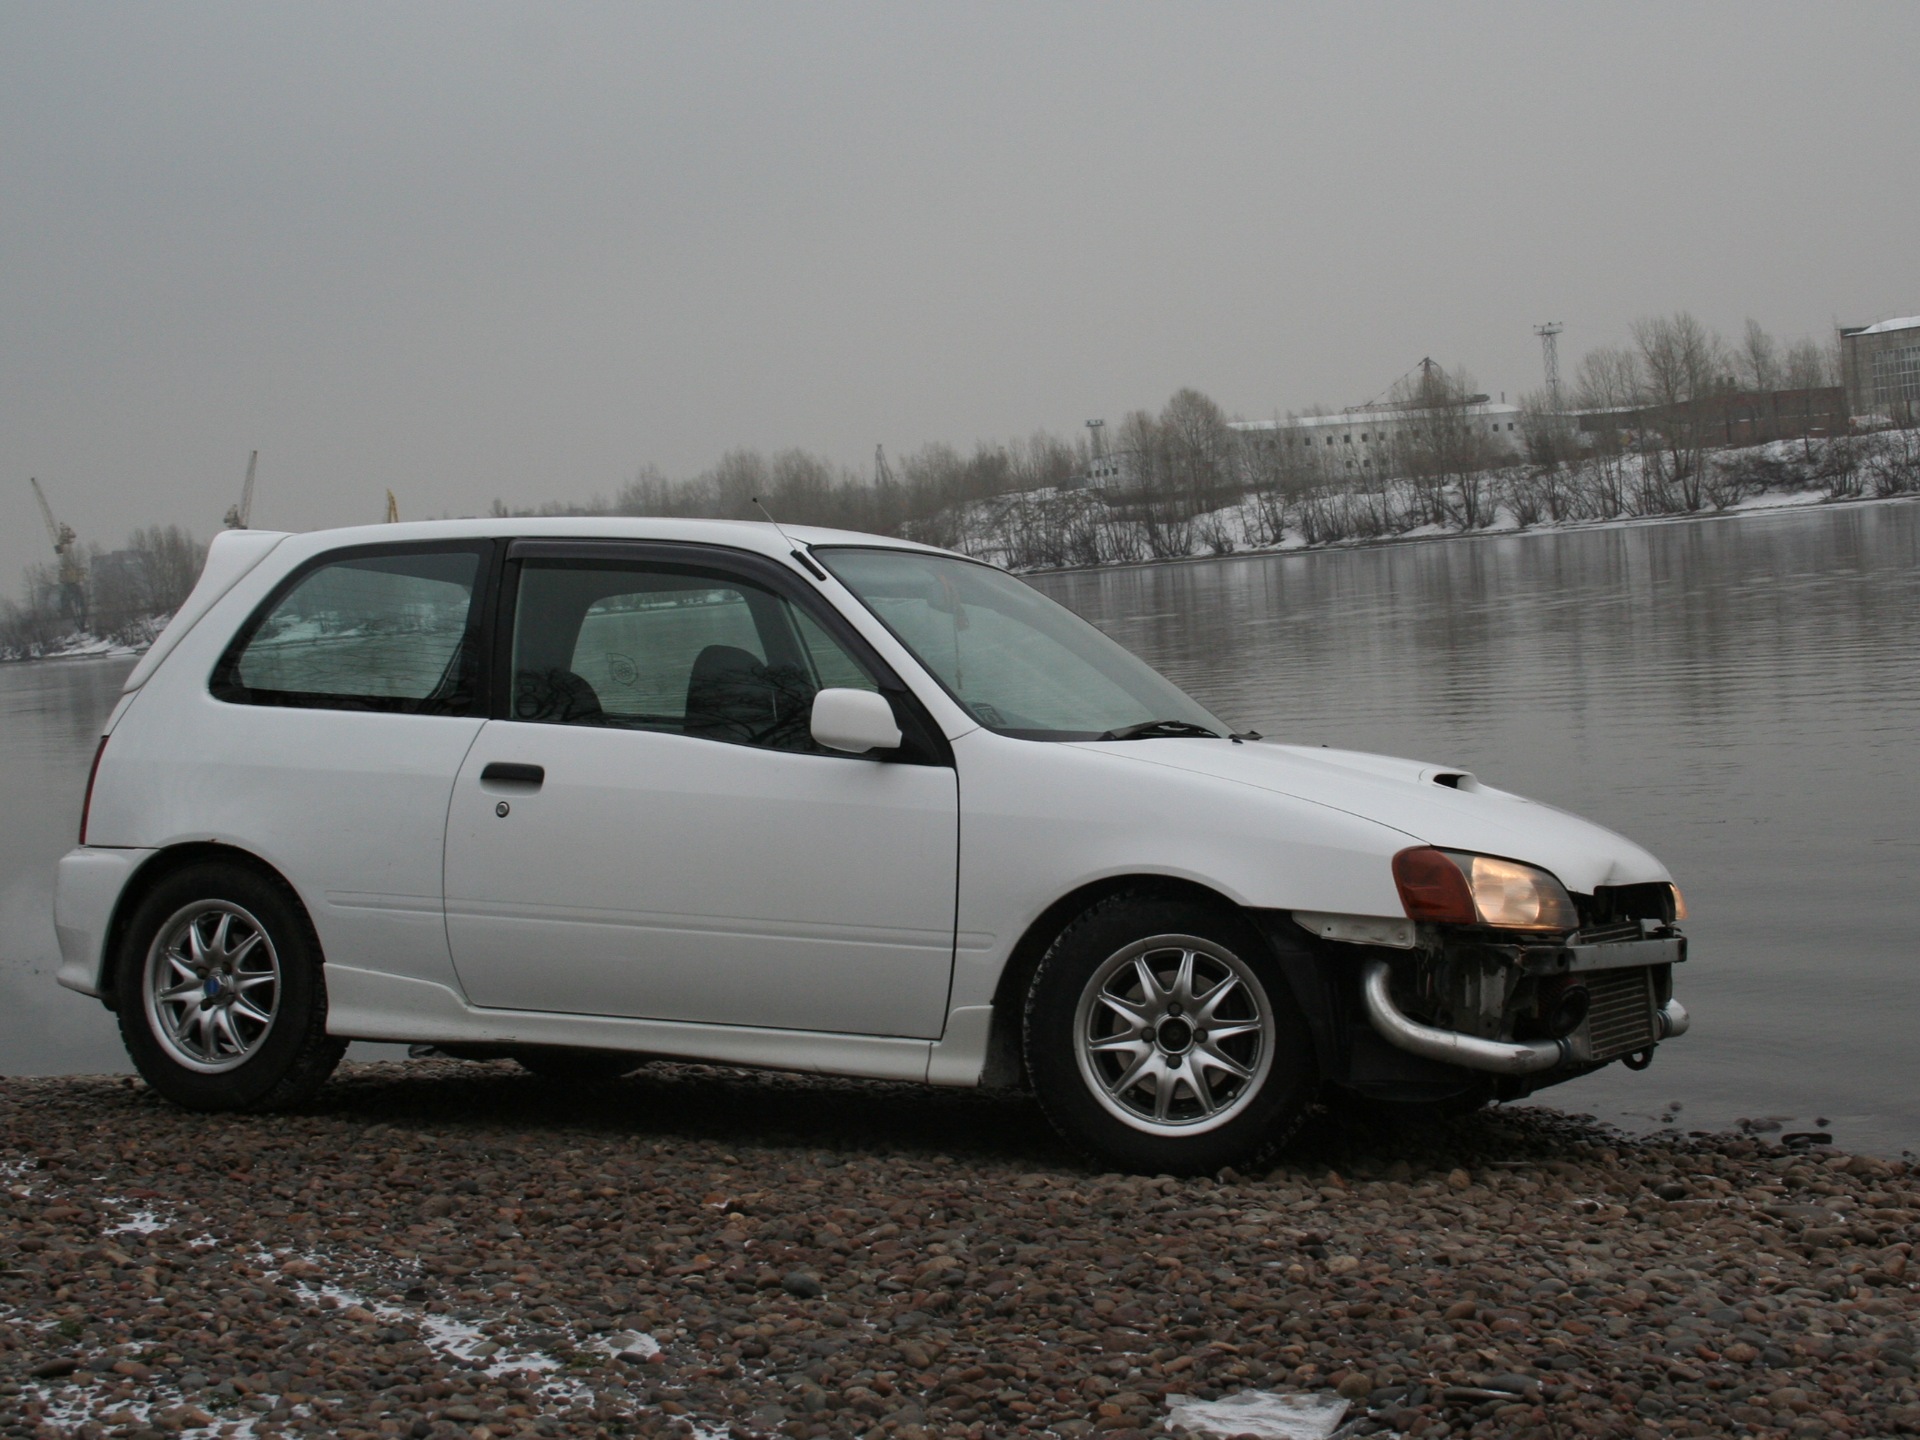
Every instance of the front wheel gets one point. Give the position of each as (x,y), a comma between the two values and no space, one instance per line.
(1161,1037)
(218,986)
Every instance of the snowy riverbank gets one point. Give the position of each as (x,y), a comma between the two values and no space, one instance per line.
(1061,529)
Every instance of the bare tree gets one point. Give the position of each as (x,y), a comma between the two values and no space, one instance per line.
(1439,448)
(1808,367)
(1270,476)
(1607,387)
(1682,365)
(1759,360)
(1544,432)
(171,560)
(1157,498)
(1199,449)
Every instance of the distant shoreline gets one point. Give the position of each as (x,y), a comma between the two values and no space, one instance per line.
(1776,504)
(117,652)
(1763,506)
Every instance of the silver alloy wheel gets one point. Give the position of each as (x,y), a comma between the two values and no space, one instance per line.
(1174,1034)
(212,986)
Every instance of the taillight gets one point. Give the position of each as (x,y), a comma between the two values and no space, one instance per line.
(86,805)
(1432,888)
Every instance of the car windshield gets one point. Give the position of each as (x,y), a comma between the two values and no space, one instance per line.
(1018,662)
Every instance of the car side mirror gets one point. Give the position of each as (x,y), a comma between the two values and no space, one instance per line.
(854,721)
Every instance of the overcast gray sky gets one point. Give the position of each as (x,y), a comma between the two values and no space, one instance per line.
(471,250)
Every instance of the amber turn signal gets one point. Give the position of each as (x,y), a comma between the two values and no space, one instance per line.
(1432,887)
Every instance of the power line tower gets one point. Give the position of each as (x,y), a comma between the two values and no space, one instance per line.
(1550,354)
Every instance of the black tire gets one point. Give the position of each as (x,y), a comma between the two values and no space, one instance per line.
(272,1067)
(1243,1120)
(577,1067)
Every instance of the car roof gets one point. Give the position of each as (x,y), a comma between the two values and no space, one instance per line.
(755,535)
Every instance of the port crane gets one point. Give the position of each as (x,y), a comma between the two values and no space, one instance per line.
(239,516)
(66,554)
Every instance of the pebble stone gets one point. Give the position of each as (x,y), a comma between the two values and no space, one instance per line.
(450,1249)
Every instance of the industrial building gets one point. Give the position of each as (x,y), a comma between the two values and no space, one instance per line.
(1728,417)
(1363,438)
(1880,368)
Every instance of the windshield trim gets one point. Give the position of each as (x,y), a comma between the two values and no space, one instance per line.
(1046,736)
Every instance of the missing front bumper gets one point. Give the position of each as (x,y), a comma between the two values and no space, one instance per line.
(1624,1016)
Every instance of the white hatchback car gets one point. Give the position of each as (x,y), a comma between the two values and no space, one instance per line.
(592,792)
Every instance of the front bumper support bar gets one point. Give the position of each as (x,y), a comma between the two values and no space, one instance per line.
(1451,1047)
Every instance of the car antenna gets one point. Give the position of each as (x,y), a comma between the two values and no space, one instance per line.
(807,562)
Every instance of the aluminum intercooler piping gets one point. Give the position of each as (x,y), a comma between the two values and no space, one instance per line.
(1504,1057)
(1674,1019)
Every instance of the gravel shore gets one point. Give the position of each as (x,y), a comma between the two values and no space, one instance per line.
(448,1249)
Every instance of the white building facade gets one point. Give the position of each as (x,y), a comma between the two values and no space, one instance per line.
(1364,439)
(1880,366)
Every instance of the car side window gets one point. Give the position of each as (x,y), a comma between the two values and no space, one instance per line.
(641,647)
(393,632)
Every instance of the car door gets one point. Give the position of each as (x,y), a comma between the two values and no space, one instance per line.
(646,828)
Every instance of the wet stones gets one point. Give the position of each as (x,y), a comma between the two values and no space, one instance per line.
(442,1248)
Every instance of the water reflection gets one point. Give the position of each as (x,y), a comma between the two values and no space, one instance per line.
(50,714)
(1741,696)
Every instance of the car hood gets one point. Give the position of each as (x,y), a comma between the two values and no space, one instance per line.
(1431,804)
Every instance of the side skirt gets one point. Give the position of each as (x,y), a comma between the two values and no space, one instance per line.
(370,1005)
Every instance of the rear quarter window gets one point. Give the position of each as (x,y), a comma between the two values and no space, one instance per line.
(394,631)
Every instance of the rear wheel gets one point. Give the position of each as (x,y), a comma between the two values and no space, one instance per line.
(1161,1037)
(221,1000)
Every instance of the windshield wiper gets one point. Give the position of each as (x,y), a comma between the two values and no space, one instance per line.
(1153,729)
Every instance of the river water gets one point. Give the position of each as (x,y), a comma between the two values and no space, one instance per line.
(1742,696)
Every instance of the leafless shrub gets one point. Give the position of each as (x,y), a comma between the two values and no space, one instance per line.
(1892,459)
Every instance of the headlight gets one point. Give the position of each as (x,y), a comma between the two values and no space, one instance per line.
(1450,888)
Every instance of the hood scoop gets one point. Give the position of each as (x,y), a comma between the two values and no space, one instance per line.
(1454,779)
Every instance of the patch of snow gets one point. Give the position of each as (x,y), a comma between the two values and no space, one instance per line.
(144,1221)
(628,1342)
(458,1340)
(1265,1414)
(465,1342)
(69,1407)
(469,1344)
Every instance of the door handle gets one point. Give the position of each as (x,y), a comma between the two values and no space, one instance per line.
(505,772)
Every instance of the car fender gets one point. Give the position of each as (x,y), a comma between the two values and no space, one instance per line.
(1039,821)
